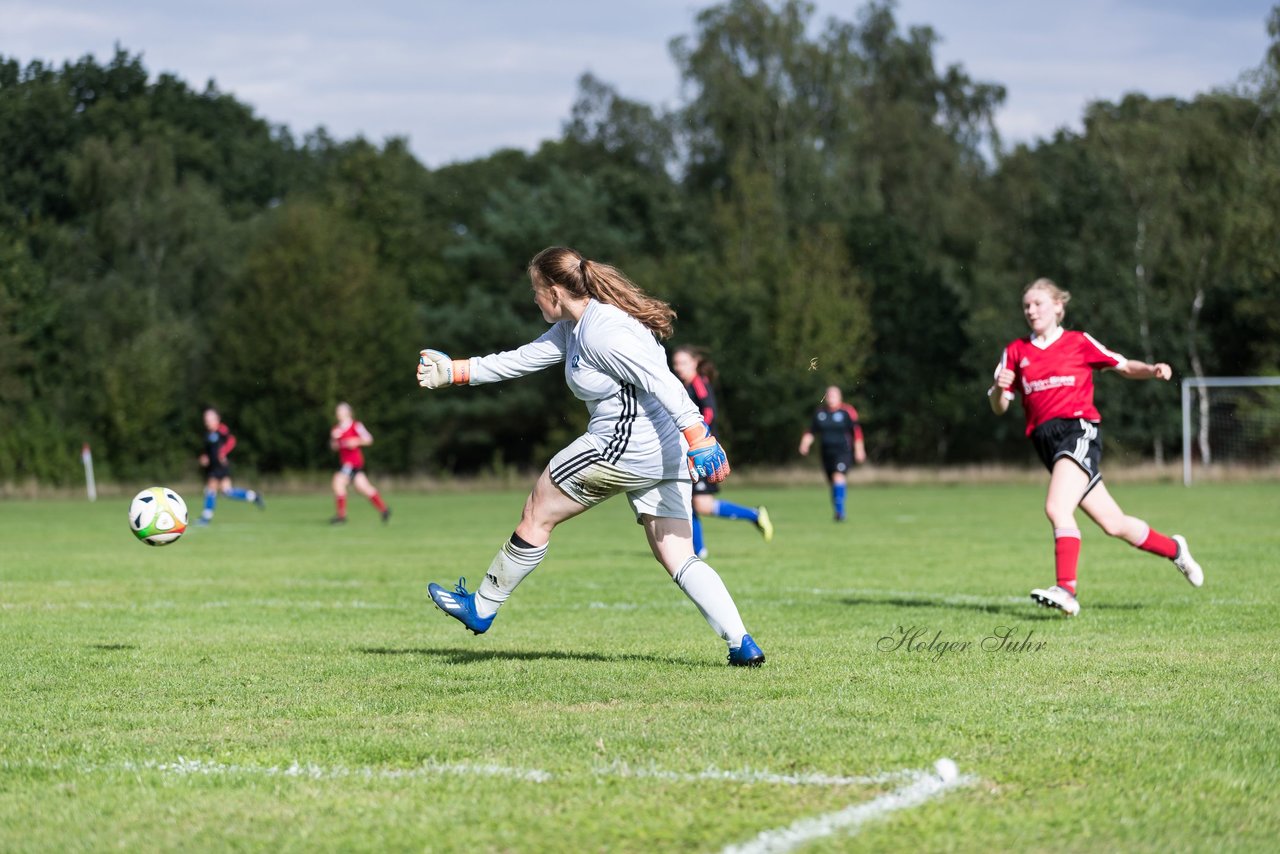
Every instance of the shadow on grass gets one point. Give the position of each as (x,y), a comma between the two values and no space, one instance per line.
(458,655)
(1030,611)
(111,647)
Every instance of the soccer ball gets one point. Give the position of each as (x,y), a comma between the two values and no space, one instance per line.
(157,516)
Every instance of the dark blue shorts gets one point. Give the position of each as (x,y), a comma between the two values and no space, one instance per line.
(837,462)
(217,471)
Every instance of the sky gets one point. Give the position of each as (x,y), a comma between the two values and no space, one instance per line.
(463,79)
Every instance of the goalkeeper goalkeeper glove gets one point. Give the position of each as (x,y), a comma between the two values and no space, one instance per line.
(706,458)
(436,369)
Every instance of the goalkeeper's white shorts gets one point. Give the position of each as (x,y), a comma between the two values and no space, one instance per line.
(582,474)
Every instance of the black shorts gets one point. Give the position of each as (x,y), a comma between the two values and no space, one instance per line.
(351,471)
(1074,438)
(217,471)
(705,487)
(837,462)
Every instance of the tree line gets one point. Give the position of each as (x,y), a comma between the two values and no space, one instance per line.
(827,205)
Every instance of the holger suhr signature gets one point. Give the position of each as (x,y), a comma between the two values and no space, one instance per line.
(923,639)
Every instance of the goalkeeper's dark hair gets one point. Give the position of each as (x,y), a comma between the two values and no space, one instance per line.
(580,277)
(705,367)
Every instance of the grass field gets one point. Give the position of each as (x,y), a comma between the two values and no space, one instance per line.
(272,683)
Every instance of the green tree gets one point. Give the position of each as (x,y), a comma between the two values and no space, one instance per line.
(310,320)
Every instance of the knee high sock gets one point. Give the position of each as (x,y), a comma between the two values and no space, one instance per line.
(702,585)
(376,498)
(1066,556)
(698,543)
(726,510)
(210,501)
(341,501)
(514,561)
(1155,542)
(837,497)
(241,494)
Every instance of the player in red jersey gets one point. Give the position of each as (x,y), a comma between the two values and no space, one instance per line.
(696,371)
(347,437)
(1052,369)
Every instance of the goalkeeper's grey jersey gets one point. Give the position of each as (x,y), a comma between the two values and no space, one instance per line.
(614,364)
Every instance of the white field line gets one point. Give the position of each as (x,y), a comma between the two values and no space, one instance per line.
(310,771)
(748,775)
(926,787)
(184,767)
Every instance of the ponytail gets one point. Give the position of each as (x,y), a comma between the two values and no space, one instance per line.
(580,277)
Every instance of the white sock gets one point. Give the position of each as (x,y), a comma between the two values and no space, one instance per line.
(701,584)
(512,563)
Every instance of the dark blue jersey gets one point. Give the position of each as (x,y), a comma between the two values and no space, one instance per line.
(218,443)
(836,429)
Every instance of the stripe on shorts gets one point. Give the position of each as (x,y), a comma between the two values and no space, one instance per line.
(1081,452)
(573,465)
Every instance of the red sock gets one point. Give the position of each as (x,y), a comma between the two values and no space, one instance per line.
(1158,544)
(1066,555)
(342,505)
(376,498)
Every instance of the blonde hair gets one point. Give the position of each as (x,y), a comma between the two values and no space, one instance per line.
(580,277)
(1057,294)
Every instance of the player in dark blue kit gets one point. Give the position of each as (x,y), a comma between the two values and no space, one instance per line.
(218,444)
(697,373)
(840,437)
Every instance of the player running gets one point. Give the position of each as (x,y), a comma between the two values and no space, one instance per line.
(697,373)
(1053,371)
(348,437)
(642,433)
(840,437)
(218,444)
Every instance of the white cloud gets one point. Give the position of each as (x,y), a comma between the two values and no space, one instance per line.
(1056,58)
(464,78)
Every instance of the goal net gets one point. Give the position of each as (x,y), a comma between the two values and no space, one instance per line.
(1229,424)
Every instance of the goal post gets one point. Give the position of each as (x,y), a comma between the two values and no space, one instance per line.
(1232,420)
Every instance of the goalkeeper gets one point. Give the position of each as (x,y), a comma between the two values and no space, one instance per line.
(645,438)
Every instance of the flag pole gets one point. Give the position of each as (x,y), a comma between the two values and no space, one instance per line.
(90,487)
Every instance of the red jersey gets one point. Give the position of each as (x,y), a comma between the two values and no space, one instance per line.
(705,399)
(345,436)
(1055,378)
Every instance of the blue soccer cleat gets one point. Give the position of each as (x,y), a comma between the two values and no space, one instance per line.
(461,605)
(746,655)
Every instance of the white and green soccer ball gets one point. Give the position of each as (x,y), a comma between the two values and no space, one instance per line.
(157,516)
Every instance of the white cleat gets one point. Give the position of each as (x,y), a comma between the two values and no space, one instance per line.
(1186,564)
(1056,597)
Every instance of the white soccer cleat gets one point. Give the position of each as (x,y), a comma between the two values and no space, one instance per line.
(1056,597)
(1186,564)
